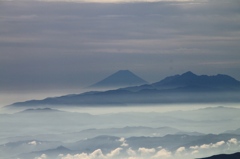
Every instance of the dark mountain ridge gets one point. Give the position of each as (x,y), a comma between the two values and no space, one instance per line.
(191,80)
(40,110)
(225,156)
(185,88)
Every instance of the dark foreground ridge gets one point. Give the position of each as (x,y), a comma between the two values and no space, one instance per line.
(185,88)
(225,156)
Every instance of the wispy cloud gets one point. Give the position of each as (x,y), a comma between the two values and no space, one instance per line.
(146,151)
(33,143)
(181,149)
(124,143)
(43,156)
(97,154)
(230,146)
(163,153)
(233,141)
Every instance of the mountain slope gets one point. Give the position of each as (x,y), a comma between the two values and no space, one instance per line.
(122,78)
(225,156)
(185,88)
(192,81)
(237,131)
(189,78)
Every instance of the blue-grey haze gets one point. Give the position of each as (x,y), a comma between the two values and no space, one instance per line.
(189,134)
(57,46)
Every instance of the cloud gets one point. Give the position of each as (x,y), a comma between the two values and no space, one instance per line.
(43,156)
(122,139)
(33,143)
(233,141)
(205,146)
(211,145)
(114,153)
(197,151)
(180,150)
(131,152)
(97,154)
(194,147)
(208,146)
(220,143)
(163,153)
(76,156)
(146,151)
(229,146)
(124,144)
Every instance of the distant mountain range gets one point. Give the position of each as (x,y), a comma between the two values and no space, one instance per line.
(106,143)
(40,110)
(122,78)
(185,88)
(191,82)
(237,131)
(192,133)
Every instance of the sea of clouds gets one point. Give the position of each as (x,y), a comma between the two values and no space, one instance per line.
(126,152)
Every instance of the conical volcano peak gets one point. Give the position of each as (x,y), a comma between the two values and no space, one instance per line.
(121,78)
(184,88)
(123,72)
(189,74)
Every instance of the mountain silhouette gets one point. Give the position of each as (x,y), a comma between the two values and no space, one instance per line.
(40,110)
(237,131)
(122,78)
(185,88)
(189,78)
(225,156)
(191,82)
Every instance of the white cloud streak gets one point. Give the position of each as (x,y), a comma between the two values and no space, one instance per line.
(146,151)
(180,150)
(233,141)
(43,156)
(230,146)
(97,154)
(163,153)
(131,152)
(124,143)
(114,153)
(33,143)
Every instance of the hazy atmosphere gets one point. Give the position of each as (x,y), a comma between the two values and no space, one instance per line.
(49,48)
(119,79)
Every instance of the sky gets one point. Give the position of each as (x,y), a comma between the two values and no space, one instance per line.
(51,47)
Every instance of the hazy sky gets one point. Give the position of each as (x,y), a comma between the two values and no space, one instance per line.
(58,45)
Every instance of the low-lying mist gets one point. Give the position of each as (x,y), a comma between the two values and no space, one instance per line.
(149,131)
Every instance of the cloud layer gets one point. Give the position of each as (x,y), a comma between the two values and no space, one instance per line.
(196,151)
